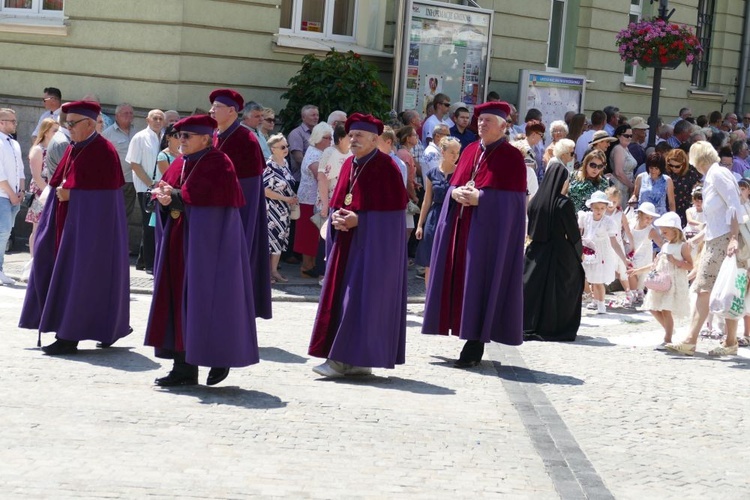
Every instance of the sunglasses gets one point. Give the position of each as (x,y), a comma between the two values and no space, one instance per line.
(73,124)
(627,136)
(186,135)
(597,166)
(673,165)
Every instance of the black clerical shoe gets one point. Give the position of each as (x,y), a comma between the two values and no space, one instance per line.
(104,345)
(466,363)
(174,379)
(216,375)
(61,347)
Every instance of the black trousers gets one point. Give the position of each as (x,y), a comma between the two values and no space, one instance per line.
(148,243)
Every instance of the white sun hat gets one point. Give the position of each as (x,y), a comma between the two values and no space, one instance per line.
(648,208)
(598,197)
(669,219)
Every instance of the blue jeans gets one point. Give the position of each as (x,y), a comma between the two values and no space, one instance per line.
(8,214)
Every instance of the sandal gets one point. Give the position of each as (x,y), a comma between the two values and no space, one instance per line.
(278,279)
(743,341)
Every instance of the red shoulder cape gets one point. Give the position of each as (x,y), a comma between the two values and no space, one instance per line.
(91,166)
(380,186)
(241,146)
(210,180)
(501,168)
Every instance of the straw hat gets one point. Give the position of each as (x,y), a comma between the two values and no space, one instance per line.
(599,197)
(601,135)
(648,208)
(638,122)
(669,219)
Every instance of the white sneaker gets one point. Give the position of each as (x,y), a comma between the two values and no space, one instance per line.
(330,369)
(358,370)
(601,308)
(591,306)
(5,280)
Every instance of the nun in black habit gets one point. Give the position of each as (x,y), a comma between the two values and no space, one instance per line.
(553,276)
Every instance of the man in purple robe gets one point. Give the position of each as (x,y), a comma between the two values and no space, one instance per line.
(475,289)
(202,312)
(361,320)
(241,146)
(79,286)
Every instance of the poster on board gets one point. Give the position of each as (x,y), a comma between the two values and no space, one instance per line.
(554,94)
(445,50)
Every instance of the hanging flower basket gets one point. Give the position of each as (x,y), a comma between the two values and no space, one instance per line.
(656,43)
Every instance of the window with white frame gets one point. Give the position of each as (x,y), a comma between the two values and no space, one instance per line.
(32,8)
(556,34)
(636,11)
(329,19)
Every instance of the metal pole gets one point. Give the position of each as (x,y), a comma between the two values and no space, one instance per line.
(653,119)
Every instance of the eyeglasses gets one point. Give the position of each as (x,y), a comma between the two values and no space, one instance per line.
(9,121)
(745,118)
(73,124)
(186,135)
(597,166)
(45,99)
(218,105)
(269,120)
(627,136)
(280,147)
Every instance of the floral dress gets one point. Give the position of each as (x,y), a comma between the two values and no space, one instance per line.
(580,191)
(676,299)
(654,191)
(279,179)
(35,210)
(683,191)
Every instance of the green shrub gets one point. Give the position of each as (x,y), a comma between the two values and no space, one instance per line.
(338,81)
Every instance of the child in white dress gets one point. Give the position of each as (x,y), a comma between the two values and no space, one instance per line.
(602,250)
(674,260)
(644,235)
(615,213)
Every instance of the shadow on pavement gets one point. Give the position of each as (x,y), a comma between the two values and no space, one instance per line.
(280,356)
(230,396)
(119,358)
(593,341)
(528,376)
(394,383)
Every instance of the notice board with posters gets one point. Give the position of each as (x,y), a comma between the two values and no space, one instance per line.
(445,49)
(553,94)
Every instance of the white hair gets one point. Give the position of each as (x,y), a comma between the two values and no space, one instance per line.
(563,146)
(318,132)
(703,154)
(558,124)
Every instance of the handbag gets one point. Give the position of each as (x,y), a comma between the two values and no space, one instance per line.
(658,281)
(318,220)
(149,204)
(28,199)
(294,212)
(412,208)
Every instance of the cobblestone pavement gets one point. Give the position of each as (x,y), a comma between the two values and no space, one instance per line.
(604,417)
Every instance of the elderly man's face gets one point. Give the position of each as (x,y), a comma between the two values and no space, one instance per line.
(362,142)
(221,112)
(253,118)
(155,121)
(639,134)
(489,127)
(310,117)
(192,143)
(124,117)
(171,118)
(80,127)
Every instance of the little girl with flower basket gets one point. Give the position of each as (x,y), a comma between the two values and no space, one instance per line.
(667,279)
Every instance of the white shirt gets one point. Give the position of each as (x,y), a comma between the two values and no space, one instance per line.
(582,144)
(11,164)
(721,200)
(143,150)
(431,122)
(55,115)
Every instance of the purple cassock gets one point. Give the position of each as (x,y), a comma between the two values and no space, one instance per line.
(475,289)
(361,316)
(241,146)
(203,296)
(79,286)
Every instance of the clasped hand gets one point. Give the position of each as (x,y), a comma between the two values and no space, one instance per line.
(344,220)
(163,193)
(466,196)
(62,193)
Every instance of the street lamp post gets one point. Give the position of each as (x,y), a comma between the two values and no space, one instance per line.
(653,119)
